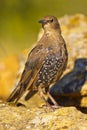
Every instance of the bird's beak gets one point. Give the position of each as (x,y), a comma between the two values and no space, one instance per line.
(42,21)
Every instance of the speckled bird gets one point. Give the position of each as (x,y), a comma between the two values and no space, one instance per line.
(45,63)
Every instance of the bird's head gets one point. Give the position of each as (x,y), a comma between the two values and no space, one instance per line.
(50,23)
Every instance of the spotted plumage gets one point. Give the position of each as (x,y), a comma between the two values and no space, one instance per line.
(45,64)
(51,67)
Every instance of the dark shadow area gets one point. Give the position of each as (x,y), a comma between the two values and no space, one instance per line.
(20,104)
(67,91)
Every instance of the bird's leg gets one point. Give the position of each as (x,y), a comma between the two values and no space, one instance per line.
(43,97)
(53,100)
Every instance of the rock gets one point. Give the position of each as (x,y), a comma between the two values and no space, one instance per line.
(16,118)
(8,73)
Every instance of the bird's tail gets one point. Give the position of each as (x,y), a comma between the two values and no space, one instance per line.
(16,94)
(25,83)
(30,94)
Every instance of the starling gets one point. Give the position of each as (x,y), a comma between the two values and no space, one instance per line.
(45,63)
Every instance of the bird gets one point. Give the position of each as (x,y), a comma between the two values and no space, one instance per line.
(45,63)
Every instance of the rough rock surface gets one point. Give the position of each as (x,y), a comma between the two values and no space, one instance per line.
(20,118)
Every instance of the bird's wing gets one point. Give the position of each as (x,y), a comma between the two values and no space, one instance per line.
(32,68)
(33,65)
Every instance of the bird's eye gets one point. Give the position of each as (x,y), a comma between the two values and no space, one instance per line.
(51,20)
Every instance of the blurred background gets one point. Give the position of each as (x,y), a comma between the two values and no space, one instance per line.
(19,20)
(19,30)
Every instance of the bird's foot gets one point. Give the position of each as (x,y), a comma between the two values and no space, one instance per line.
(56,106)
(51,107)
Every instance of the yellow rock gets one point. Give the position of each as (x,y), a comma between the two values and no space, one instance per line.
(8,72)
